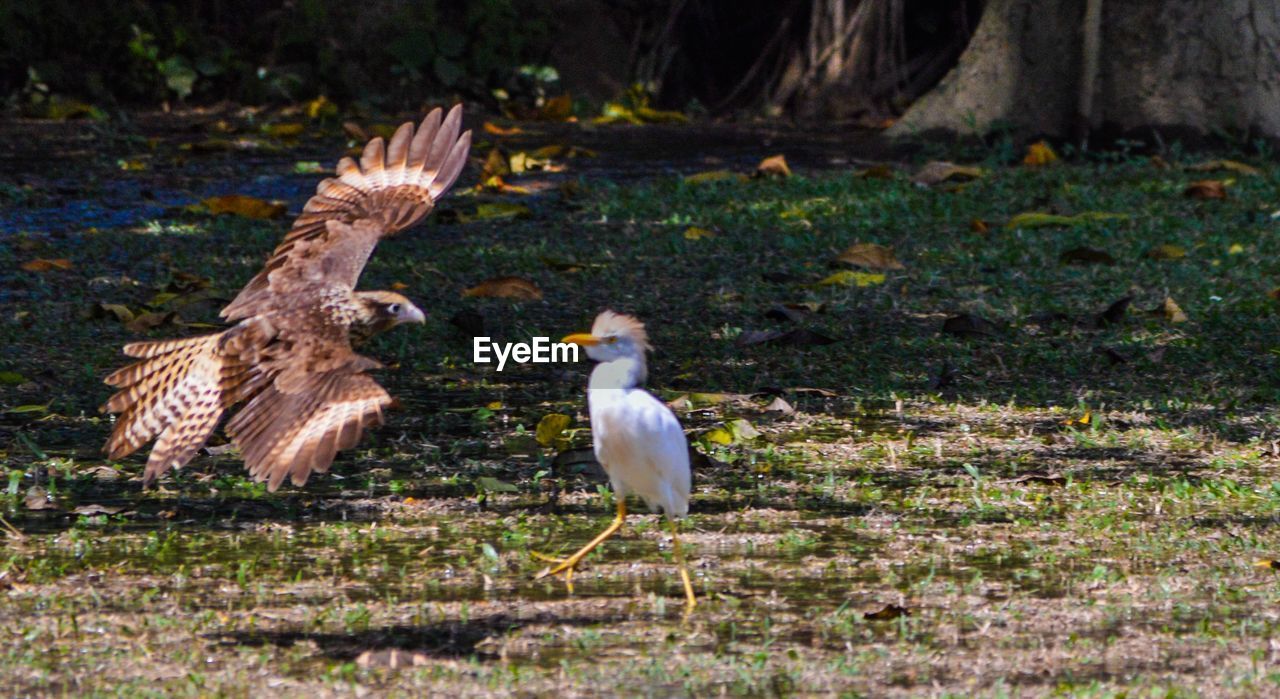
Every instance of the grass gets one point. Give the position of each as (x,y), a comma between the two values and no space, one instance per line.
(1051,506)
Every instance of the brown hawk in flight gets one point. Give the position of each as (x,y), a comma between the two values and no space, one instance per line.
(290,357)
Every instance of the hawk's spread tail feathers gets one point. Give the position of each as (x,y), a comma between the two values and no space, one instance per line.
(179,390)
(395,185)
(176,392)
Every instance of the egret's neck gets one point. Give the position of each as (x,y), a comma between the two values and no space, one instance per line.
(626,372)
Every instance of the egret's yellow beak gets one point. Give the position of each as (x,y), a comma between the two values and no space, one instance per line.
(584,339)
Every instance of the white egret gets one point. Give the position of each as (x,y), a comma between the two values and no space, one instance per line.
(636,437)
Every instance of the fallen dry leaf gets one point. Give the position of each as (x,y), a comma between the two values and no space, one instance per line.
(1170,311)
(1036,219)
(876,172)
(288,130)
(1232,165)
(1085,256)
(1114,313)
(1039,153)
(1167,252)
(115,310)
(91,510)
(888,612)
(1206,189)
(780,405)
(550,427)
(499,210)
(495,165)
(870,256)
(696,233)
(557,108)
(798,337)
(967,325)
(940,171)
(43,265)
(977,225)
(773,166)
(851,278)
(149,321)
(715,176)
(505,288)
(38,499)
(243,205)
(496,130)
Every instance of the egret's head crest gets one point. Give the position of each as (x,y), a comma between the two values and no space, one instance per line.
(611,324)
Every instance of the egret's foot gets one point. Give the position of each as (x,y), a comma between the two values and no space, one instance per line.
(568,565)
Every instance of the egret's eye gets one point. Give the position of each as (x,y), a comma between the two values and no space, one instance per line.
(611,340)
(394,308)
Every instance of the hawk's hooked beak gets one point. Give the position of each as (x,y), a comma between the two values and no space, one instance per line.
(584,339)
(413,314)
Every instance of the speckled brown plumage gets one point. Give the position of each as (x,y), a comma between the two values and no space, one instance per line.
(290,357)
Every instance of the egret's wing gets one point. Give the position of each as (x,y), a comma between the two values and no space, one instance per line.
(641,445)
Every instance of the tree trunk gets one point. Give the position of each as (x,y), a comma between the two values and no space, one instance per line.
(1186,64)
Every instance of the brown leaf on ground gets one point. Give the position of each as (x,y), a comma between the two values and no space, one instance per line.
(43,265)
(91,510)
(940,171)
(870,256)
(149,321)
(505,288)
(1114,313)
(1167,252)
(1206,189)
(977,225)
(246,206)
(876,172)
(496,130)
(1038,154)
(888,612)
(495,165)
(715,176)
(967,325)
(1231,165)
(1112,355)
(773,166)
(557,108)
(355,131)
(798,337)
(793,312)
(780,405)
(1170,311)
(38,499)
(1085,256)
(498,210)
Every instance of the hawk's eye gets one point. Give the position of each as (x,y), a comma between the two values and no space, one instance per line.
(393,308)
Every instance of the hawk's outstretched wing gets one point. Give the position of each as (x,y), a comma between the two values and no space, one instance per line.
(292,428)
(393,187)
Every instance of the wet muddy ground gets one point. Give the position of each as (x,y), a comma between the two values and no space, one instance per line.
(1004,511)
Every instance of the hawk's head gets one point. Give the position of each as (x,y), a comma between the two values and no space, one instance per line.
(385,310)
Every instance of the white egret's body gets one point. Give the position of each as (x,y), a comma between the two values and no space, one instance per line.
(637,439)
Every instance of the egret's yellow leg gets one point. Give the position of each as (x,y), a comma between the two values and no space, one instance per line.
(690,601)
(569,564)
